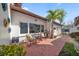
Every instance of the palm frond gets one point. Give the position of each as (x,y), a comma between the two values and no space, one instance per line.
(56,14)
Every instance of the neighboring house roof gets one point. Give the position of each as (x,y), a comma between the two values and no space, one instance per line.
(30,13)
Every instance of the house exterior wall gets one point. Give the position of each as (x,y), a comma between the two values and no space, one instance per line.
(4,34)
(57,30)
(75,25)
(74,29)
(18,17)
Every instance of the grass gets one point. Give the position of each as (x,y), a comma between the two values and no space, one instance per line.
(68,50)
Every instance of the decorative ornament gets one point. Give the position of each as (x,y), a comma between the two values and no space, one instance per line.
(6,22)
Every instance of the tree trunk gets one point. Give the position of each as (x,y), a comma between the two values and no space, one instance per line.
(51,29)
(61,26)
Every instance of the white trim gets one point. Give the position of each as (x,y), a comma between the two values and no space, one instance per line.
(28,28)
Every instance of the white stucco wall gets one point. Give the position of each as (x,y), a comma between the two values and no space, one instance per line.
(4,35)
(18,17)
(57,31)
(74,29)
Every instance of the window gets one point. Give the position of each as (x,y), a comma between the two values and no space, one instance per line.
(4,6)
(34,28)
(42,28)
(23,28)
(66,30)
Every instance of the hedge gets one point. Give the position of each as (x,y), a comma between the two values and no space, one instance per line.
(12,50)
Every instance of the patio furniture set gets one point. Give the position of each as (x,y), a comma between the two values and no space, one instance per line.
(33,38)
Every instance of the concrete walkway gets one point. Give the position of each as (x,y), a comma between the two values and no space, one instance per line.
(48,47)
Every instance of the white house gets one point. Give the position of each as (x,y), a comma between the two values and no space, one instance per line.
(4,14)
(57,29)
(21,22)
(75,27)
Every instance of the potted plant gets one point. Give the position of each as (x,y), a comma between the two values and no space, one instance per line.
(29,39)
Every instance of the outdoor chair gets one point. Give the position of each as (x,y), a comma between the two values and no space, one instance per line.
(33,38)
(42,36)
(38,36)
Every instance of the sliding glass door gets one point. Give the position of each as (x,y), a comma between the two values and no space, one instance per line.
(33,28)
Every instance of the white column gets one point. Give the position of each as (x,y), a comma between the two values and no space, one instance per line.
(28,28)
(9,15)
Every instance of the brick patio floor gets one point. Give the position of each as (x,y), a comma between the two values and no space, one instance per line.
(47,47)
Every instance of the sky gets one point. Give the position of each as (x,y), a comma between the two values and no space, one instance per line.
(71,9)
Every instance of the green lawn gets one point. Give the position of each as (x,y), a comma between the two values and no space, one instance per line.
(68,50)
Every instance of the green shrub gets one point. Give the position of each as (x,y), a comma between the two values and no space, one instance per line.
(11,50)
(72,35)
(76,39)
(75,36)
(68,50)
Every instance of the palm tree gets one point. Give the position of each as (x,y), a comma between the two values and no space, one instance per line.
(55,15)
(61,16)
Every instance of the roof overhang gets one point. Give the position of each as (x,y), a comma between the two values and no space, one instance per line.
(19,9)
(27,12)
(57,24)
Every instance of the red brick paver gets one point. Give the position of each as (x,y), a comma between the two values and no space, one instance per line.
(47,47)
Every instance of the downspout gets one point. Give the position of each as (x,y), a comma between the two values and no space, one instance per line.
(9,15)
(28,28)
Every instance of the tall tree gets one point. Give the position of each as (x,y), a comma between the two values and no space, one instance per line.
(53,15)
(62,14)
